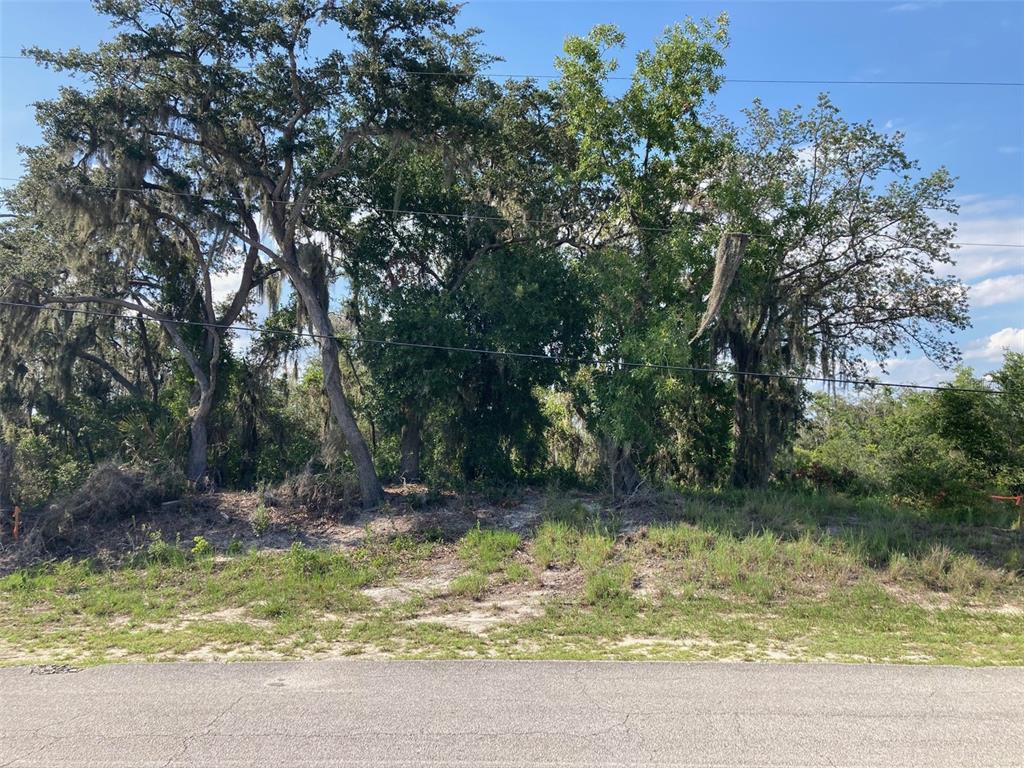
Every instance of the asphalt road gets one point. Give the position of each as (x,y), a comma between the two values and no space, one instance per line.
(363,713)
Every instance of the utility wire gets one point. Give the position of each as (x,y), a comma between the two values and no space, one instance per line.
(749,80)
(561,359)
(414,212)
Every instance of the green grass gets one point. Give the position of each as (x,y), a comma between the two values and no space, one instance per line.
(611,585)
(518,573)
(473,585)
(571,534)
(487,550)
(758,576)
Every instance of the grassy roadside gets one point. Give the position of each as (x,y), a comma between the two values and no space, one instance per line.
(769,577)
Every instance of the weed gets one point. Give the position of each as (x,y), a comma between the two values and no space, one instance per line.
(899,567)
(934,567)
(592,550)
(486,550)
(517,573)
(740,574)
(578,516)
(163,552)
(960,574)
(608,585)
(1014,560)
(260,520)
(558,543)
(554,544)
(678,539)
(275,608)
(472,585)
(201,548)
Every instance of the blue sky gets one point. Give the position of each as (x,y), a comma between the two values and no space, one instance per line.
(977,132)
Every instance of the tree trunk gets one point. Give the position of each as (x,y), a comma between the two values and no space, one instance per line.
(147,359)
(623,475)
(198,448)
(764,413)
(7,521)
(6,477)
(369,484)
(752,457)
(412,445)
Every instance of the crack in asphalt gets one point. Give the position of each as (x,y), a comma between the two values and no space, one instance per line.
(207,730)
(31,752)
(577,675)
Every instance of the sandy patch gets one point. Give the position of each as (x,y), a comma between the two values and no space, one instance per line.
(481,617)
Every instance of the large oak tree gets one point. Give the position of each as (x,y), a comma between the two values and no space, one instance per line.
(227,107)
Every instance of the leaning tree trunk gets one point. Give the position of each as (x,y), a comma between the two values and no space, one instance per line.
(411,445)
(369,484)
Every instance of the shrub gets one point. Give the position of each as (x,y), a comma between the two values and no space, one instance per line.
(260,520)
(328,493)
(42,471)
(163,552)
(201,548)
(110,493)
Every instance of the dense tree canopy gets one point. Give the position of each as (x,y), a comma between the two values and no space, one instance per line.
(448,279)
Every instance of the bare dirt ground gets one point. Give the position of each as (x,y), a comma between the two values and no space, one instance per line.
(226,518)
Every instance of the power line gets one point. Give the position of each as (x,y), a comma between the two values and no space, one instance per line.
(559,359)
(744,80)
(414,212)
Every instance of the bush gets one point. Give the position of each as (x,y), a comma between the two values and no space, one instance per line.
(163,552)
(327,493)
(945,451)
(41,471)
(260,520)
(201,548)
(109,494)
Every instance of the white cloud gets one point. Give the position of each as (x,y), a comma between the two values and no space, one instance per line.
(976,262)
(909,370)
(1008,150)
(997,290)
(991,347)
(225,284)
(907,7)
(985,219)
(985,205)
